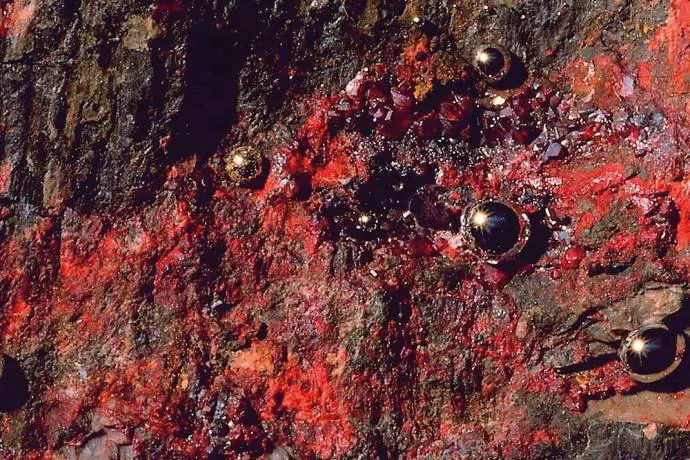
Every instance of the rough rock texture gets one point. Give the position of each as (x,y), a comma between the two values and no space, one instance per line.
(152,308)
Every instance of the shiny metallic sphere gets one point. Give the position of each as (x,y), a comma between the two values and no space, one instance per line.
(493,62)
(652,352)
(244,165)
(496,229)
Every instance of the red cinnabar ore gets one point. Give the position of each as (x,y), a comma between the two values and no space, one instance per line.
(164,293)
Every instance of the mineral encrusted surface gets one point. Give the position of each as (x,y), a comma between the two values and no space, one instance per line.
(152,305)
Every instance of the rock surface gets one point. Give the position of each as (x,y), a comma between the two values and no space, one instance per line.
(152,307)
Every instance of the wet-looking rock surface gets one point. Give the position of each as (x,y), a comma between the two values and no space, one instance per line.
(238,228)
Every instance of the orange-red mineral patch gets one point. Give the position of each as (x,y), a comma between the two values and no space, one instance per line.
(321,422)
(673,38)
(598,81)
(15,18)
(5,170)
